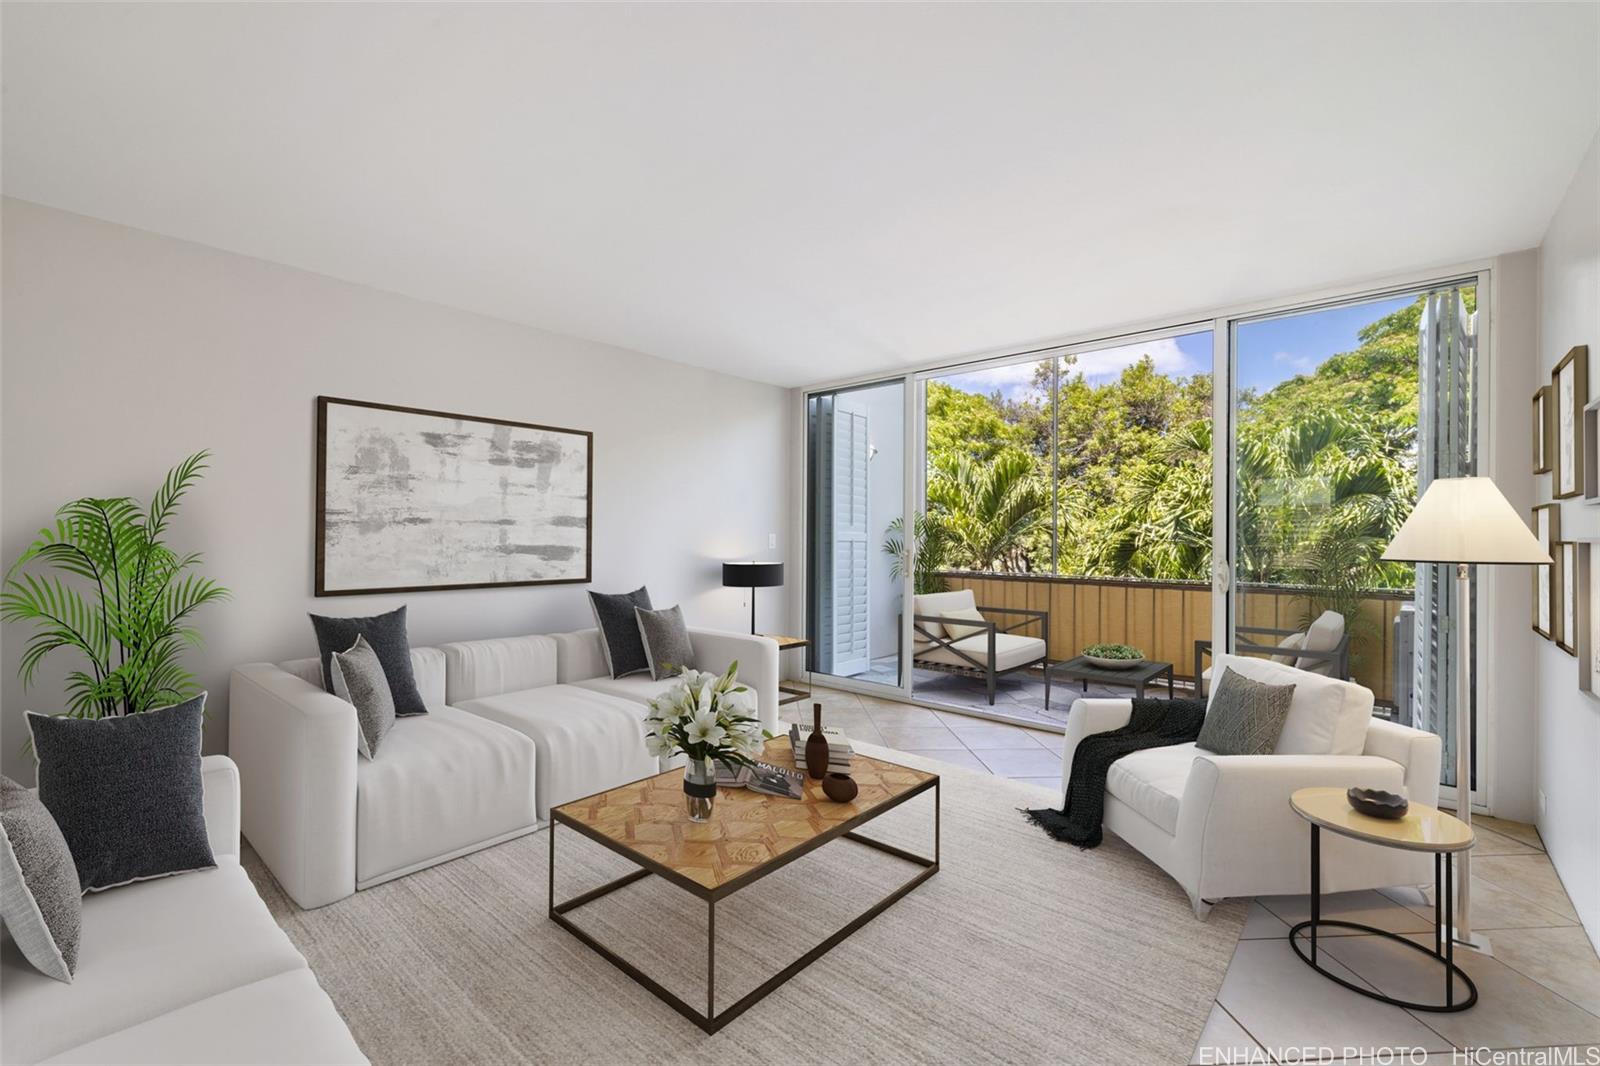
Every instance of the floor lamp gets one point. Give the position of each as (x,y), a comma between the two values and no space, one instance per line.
(752,576)
(1465,521)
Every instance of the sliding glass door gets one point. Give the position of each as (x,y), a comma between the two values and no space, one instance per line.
(1341,414)
(855,463)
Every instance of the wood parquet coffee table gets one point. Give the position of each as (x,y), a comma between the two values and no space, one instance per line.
(748,837)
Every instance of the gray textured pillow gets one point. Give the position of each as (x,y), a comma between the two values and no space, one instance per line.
(619,630)
(666,641)
(358,679)
(1244,716)
(40,901)
(126,792)
(386,633)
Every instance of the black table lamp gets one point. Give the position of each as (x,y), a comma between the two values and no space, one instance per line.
(752,576)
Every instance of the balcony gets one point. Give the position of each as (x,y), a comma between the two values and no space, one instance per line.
(1164,619)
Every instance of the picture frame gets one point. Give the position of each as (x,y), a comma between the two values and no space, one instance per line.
(414,500)
(1542,435)
(1588,617)
(1569,393)
(1547,528)
(1567,592)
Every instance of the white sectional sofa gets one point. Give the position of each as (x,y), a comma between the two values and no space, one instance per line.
(184,969)
(1221,824)
(515,726)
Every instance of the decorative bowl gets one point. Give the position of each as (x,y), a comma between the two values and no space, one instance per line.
(1114,664)
(1377,803)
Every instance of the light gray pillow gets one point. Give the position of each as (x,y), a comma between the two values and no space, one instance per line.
(358,679)
(1245,716)
(666,641)
(41,901)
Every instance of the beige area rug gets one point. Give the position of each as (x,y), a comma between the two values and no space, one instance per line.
(1020,949)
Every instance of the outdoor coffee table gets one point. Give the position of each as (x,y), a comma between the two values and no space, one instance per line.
(748,837)
(1081,669)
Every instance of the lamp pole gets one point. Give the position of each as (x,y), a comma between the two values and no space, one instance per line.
(1463,929)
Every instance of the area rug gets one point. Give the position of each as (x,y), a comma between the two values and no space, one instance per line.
(1019,950)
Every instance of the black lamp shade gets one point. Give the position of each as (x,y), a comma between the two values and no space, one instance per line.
(752,575)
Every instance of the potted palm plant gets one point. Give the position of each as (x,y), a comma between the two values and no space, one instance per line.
(118,596)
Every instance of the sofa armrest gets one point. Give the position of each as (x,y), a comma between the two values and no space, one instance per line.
(1086,717)
(1235,810)
(757,657)
(219,784)
(1421,754)
(295,745)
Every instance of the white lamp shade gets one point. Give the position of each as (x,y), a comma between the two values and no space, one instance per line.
(1465,520)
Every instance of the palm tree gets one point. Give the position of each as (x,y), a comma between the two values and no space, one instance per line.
(987,508)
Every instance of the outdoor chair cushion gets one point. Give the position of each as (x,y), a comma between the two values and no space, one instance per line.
(937,603)
(1323,635)
(968,614)
(1010,649)
(1152,782)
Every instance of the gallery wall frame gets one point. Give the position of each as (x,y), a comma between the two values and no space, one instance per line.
(1569,393)
(1588,617)
(1546,524)
(1567,593)
(415,500)
(1542,435)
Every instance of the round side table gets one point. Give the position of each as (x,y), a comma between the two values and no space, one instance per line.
(1422,829)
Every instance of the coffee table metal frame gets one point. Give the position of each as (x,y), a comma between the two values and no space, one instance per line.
(711,1020)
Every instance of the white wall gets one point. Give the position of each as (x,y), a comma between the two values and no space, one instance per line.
(125,351)
(1568,720)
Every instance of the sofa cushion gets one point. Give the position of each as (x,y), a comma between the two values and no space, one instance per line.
(41,902)
(282,1019)
(1326,716)
(427,669)
(444,782)
(1152,782)
(619,630)
(358,680)
(586,741)
(639,689)
(937,603)
(1010,649)
(667,647)
(580,655)
(477,668)
(387,635)
(147,948)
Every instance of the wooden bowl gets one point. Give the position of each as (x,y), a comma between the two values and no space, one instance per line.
(841,788)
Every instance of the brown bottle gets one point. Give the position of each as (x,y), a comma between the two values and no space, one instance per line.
(816,746)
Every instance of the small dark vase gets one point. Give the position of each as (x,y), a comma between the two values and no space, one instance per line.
(816,746)
(841,788)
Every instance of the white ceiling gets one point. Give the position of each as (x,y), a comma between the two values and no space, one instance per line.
(797,193)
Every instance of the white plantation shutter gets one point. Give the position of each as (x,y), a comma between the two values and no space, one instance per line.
(841,542)
(1446,447)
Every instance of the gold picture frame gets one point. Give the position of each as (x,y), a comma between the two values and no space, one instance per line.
(1567,594)
(1543,438)
(1569,395)
(1547,528)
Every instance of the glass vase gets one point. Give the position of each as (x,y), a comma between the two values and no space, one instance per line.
(700,788)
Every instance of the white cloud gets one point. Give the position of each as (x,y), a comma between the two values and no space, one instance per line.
(1302,364)
(1108,363)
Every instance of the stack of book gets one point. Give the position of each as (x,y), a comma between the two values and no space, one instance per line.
(839,750)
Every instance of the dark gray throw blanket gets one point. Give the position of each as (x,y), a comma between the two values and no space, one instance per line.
(1155,724)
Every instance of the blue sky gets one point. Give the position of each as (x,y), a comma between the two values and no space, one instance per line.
(1270,351)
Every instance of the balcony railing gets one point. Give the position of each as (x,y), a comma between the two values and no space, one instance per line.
(1165,618)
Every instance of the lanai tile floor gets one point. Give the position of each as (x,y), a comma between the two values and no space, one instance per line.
(1539,990)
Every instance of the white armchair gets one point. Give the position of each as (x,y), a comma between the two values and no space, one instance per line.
(1221,824)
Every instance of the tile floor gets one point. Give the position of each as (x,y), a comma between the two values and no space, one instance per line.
(1540,989)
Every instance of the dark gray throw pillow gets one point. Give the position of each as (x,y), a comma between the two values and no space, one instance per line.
(619,630)
(358,680)
(126,792)
(41,902)
(666,641)
(387,635)
(1244,716)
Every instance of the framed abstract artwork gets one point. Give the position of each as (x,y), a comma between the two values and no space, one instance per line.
(410,500)
(1541,431)
(1588,617)
(1567,592)
(1569,392)
(1547,528)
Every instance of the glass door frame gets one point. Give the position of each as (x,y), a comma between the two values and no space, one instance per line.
(1225,590)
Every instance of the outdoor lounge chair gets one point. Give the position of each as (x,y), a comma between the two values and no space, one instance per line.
(974,647)
(1321,648)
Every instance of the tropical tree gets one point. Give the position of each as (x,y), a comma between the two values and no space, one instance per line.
(129,613)
(987,509)
(932,555)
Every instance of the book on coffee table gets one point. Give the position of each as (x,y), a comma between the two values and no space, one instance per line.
(839,750)
(763,777)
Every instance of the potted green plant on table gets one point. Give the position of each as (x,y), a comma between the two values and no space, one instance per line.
(118,596)
(710,719)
